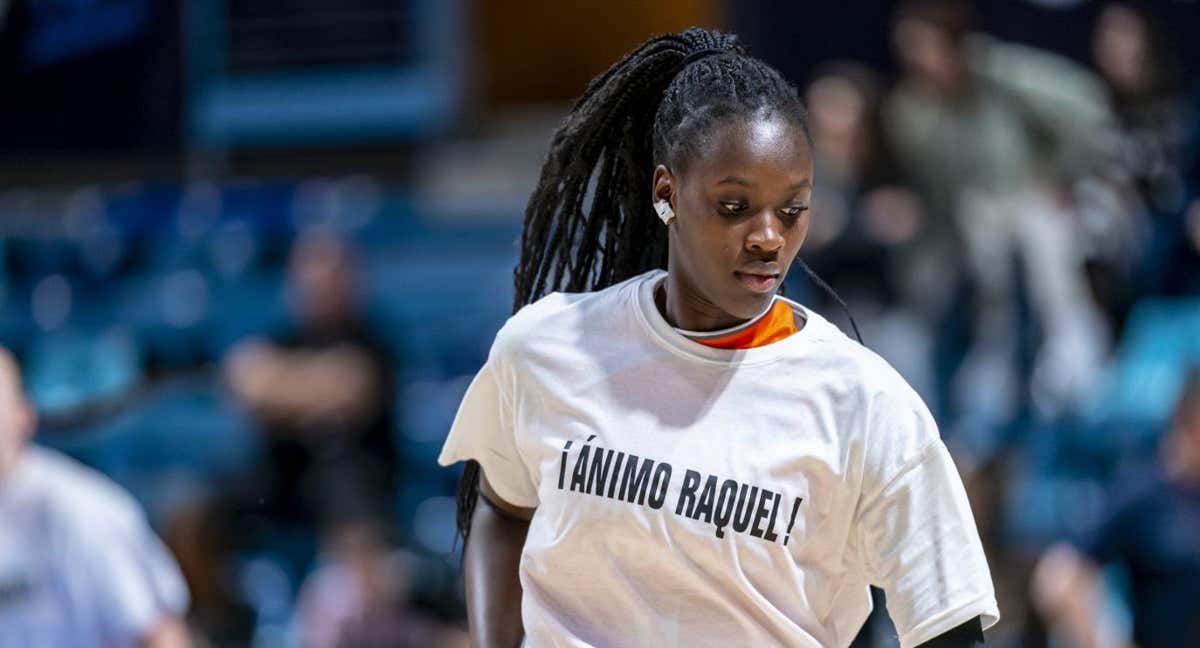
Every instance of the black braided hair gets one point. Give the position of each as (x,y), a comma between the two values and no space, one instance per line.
(589,223)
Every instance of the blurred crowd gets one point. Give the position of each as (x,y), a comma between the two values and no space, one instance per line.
(269,367)
(1020,235)
(277,496)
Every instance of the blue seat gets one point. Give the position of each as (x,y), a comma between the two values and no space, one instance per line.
(188,427)
(1161,342)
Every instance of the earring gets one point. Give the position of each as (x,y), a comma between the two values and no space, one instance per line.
(665,213)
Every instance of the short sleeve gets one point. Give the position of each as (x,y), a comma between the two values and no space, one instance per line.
(918,537)
(135,578)
(484,430)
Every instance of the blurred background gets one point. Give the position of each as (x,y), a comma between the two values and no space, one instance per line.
(252,252)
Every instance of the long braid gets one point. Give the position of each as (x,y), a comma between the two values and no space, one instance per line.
(605,142)
(589,223)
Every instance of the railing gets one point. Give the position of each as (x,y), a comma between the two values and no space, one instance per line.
(319,72)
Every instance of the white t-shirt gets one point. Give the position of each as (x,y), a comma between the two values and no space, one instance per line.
(692,496)
(79,566)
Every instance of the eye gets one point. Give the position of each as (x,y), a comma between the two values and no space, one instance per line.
(794,211)
(732,207)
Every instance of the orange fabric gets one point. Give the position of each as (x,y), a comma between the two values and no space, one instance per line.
(773,327)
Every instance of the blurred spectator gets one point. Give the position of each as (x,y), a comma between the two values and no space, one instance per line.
(79,566)
(1154,534)
(860,209)
(993,136)
(1155,126)
(864,220)
(1130,55)
(360,597)
(323,393)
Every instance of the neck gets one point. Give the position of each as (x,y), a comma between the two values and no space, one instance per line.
(722,333)
(686,309)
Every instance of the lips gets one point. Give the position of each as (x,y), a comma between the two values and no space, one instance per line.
(757,281)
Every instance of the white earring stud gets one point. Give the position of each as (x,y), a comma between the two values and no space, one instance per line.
(665,213)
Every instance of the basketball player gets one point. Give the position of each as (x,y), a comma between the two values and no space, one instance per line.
(668,452)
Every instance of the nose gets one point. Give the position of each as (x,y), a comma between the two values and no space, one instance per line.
(764,236)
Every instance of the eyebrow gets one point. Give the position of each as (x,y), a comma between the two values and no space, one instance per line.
(737,180)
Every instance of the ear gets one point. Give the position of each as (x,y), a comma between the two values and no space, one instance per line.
(664,185)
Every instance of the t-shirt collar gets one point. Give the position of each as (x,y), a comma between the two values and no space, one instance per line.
(666,335)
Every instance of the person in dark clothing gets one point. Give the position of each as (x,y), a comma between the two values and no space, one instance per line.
(323,395)
(1154,123)
(1154,533)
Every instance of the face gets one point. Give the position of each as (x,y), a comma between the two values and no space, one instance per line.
(1181,447)
(321,278)
(928,54)
(837,113)
(741,206)
(1120,47)
(16,417)
(1187,421)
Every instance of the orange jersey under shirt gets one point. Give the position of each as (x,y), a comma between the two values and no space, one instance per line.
(776,325)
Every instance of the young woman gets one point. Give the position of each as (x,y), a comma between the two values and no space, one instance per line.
(682,457)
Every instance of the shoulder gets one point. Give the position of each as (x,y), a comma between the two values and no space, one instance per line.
(894,425)
(564,317)
(81,500)
(1032,72)
(856,367)
(906,108)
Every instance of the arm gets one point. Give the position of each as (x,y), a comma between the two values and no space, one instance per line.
(340,383)
(169,632)
(967,635)
(1063,100)
(1067,591)
(491,558)
(140,592)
